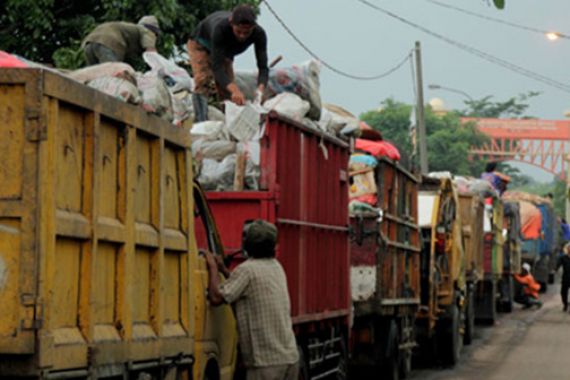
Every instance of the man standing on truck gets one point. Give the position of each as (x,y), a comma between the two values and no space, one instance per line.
(212,48)
(117,41)
(528,288)
(258,288)
(564,262)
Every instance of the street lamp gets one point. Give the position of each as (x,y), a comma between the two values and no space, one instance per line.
(439,87)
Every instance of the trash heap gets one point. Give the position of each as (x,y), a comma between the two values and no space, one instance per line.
(165,90)
(362,164)
(227,148)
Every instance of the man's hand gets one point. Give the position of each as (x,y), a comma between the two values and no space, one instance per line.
(236,94)
(238,98)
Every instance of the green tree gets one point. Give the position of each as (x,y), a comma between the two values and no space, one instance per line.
(448,142)
(50,31)
(514,107)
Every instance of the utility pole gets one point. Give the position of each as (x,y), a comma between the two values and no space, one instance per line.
(420,114)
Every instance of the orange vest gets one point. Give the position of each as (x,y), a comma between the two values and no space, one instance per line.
(532,287)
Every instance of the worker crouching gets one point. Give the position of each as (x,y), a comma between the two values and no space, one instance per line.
(527,288)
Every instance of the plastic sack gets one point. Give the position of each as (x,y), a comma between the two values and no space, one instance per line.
(302,80)
(181,107)
(9,60)
(288,104)
(216,175)
(378,148)
(107,69)
(155,95)
(118,88)
(242,122)
(175,76)
(207,130)
(215,150)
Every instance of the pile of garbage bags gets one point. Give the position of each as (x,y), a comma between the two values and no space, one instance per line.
(164,90)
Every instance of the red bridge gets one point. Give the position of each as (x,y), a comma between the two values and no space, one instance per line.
(542,143)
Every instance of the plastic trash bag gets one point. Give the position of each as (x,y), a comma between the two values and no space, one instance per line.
(302,80)
(155,95)
(215,150)
(288,104)
(107,69)
(175,76)
(242,122)
(216,175)
(118,88)
(208,130)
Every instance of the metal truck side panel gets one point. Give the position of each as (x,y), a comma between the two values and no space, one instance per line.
(304,184)
(472,212)
(385,249)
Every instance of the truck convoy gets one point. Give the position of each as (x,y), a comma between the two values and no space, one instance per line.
(102,223)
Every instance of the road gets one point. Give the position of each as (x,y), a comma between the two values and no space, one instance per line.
(524,345)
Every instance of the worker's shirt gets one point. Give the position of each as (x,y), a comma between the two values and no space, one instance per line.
(216,35)
(564,262)
(258,287)
(532,287)
(127,40)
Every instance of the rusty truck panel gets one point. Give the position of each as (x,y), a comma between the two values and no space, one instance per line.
(385,247)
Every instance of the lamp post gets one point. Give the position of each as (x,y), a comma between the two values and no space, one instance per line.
(439,87)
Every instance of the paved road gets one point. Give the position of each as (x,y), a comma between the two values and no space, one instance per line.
(524,345)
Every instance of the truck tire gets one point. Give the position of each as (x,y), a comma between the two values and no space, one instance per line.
(469,317)
(450,340)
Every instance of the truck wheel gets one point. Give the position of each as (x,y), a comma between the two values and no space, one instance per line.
(450,340)
(469,318)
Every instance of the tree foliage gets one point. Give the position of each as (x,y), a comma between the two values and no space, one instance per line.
(51,31)
(448,140)
(514,107)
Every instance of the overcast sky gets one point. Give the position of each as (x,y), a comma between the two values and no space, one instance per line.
(361,41)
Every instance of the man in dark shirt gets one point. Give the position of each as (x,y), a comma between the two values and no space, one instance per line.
(564,262)
(216,41)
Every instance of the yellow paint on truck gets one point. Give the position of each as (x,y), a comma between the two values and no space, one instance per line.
(99,267)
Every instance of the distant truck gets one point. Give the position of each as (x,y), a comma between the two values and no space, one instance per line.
(440,321)
(385,275)
(99,269)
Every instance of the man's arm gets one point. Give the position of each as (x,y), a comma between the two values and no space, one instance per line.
(261,58)
(214,294)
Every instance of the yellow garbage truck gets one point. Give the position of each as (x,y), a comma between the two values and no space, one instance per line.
(100,274)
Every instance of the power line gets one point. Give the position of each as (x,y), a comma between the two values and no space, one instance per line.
(497,20)
(481,54)
(326,64)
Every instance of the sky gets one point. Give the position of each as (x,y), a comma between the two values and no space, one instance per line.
(359,40)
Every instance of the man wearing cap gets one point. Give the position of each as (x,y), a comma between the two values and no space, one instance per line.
(216,41)
(258,289)
(564,262)
(528,296)
(119,41)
